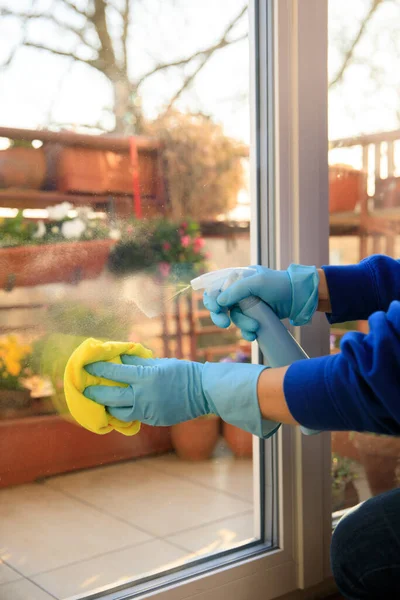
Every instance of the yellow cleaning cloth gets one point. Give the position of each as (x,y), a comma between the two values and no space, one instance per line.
(86,412)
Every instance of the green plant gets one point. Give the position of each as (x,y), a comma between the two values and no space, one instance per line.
(171,249)
(16,231)
(59,227)
(342,471)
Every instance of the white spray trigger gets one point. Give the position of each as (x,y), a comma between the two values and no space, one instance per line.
(220,280)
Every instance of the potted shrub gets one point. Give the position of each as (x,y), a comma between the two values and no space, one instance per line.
(63,248)
(344,493)
(204,168)
(157,260)
(346,187)
(196,440)
(165,249)
(380,457)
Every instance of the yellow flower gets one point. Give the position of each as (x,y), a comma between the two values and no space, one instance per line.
(12,352)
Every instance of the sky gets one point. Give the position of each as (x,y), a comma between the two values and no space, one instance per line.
(39,89)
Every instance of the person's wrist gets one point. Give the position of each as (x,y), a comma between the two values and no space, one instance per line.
(304,281)
(324,300)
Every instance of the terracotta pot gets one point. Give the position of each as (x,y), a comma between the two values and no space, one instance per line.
(195,440)
(380,457)
(47,445)
(346,186)
(239,441)
(343,445)
(22,168)
(52,263)
(101,171)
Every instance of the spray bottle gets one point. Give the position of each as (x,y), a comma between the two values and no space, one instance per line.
(275,342)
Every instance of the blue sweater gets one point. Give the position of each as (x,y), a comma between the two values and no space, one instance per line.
(359,388)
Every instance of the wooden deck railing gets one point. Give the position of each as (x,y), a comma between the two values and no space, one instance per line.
(377,218)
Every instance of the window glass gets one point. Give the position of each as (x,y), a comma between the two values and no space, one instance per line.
(364,185)
(124,135)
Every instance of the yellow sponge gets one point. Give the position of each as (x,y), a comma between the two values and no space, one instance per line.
(88,413)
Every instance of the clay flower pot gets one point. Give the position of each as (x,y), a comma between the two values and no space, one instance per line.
(346,186)
(239,441)
(22,168)
(52,263)
(196,440)
(40,446)
(380,457)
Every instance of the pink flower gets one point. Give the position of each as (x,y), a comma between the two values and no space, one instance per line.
(185,241)
(166,246)
(207,255)
(129,229)
(198,244)
(164,268)
(184,225)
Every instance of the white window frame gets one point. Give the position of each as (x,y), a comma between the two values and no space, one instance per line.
(289,224)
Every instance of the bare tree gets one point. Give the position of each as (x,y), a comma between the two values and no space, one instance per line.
(101,52)
(97,48)
(349,53)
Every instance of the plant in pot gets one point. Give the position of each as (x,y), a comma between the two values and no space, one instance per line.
(203,167)
(157,260)
(62,248)
(344,493)
(196,440)
(238,440)
(380,457)
(21,390)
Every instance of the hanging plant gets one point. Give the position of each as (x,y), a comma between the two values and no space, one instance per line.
(203,166)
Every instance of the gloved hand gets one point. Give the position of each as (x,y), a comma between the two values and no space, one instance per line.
(291,294)
(168,391)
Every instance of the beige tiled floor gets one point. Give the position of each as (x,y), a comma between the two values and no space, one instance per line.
(74,533)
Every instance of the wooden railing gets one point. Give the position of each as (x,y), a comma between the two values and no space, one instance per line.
(376,220)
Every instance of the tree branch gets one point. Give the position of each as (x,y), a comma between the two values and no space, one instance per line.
(79,11)
(206,52)
(348,57)
(79,32)
(188,80)
(125,14)
(106,52)
(95,63)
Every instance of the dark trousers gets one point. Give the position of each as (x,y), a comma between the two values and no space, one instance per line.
(365,551)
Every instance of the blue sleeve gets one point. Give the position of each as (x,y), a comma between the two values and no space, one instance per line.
(357,389)
(357,291)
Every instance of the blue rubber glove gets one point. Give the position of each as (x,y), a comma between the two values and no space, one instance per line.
(292,294)
(169,391)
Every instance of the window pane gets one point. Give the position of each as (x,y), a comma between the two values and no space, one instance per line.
(364,180)
(138,183)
